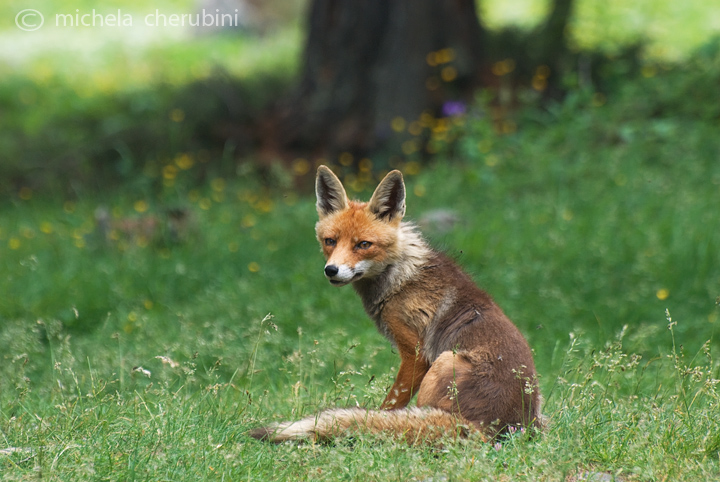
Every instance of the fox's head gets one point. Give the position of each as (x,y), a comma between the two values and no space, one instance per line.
(359,240)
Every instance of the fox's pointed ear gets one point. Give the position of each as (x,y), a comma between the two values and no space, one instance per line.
(388,200)
(330,193)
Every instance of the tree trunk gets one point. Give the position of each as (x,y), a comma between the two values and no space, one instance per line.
(552,46)
(368,62)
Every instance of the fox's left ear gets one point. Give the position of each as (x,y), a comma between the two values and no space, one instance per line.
(388,200)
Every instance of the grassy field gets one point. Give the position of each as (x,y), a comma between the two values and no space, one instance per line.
(146,351)
(143,356)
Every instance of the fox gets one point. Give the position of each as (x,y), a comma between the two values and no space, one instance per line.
(469,365)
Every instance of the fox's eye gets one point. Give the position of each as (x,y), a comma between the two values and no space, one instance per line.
(330,242)
(364,244)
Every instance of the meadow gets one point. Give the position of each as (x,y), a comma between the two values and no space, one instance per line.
(138,353)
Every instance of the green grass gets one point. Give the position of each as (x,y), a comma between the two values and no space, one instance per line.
(71,126)
(586,223)
(90,106)
(148,358)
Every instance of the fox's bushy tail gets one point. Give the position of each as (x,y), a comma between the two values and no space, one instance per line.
(412,424)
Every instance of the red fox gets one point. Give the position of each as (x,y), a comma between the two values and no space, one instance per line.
(471,368)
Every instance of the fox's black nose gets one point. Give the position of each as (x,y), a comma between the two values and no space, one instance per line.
(331,270)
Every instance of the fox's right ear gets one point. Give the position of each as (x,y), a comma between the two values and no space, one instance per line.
(330,192)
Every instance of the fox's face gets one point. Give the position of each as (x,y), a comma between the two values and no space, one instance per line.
(359,240)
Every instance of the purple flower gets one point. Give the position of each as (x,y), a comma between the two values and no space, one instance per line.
(453,108)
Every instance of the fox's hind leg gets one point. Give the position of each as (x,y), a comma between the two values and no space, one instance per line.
(439,387)
(469,385)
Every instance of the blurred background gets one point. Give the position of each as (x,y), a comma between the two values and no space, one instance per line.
(88,102)
(157,159)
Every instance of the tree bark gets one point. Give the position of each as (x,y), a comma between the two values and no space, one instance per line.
(552,45)
(368,62)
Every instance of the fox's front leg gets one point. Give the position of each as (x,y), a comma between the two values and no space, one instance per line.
(413,368)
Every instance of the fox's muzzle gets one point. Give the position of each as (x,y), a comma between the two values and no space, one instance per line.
(342,275)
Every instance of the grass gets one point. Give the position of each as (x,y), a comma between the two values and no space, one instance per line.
(143,357)
(149,355)
(76,124)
